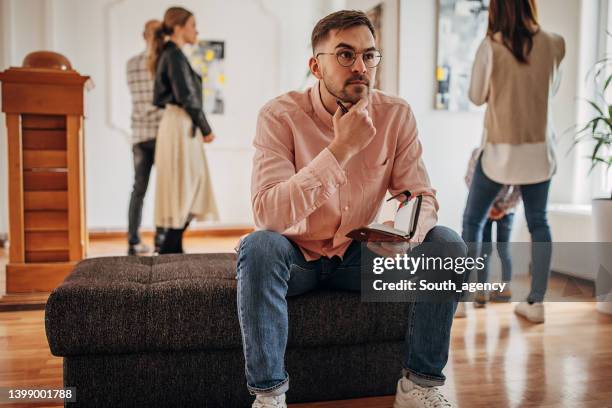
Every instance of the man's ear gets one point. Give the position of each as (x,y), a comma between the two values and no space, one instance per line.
(315,68)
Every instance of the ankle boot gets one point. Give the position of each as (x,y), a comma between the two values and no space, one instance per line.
(172,242)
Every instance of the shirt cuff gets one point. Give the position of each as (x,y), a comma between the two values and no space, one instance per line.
(327,170)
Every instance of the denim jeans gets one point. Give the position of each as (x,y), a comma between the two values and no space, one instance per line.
(504,229)
(535,197)
(270,268)
(144,154)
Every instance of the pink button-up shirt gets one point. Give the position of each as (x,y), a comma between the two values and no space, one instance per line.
(299,189)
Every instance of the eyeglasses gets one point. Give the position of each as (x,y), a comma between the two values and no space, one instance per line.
(347,58)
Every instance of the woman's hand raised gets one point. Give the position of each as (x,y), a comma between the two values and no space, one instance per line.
(208,138)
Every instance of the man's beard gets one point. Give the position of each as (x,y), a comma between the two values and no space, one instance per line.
(344,94)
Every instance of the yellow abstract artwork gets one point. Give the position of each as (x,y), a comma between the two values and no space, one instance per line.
(207,60)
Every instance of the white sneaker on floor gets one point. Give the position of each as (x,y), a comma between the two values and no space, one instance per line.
(269,402)
(533,312)
(461,310)
(410,395)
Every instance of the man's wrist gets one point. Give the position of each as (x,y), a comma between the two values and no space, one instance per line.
(341,155)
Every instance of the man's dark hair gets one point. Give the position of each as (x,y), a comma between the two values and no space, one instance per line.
(339,20)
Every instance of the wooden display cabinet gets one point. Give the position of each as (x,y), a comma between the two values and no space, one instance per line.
(44,106)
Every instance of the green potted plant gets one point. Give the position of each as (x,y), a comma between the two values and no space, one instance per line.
(598,133)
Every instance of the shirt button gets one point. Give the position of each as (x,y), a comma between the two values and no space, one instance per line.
(346,208)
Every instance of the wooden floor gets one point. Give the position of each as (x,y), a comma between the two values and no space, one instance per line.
(496,359)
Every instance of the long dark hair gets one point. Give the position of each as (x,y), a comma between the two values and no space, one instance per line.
(514,20)
(174,16)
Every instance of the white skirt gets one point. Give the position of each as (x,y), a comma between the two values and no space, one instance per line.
(183,188)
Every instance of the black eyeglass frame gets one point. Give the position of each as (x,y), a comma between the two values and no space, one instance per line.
(337,54)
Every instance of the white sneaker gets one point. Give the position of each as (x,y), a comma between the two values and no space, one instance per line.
(410,395)
(269,402)
(461,310)
(533,312)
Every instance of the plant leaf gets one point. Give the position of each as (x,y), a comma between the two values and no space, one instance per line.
(604,139)
(594,123)
(596,149)
(585,127)
(599,160)
(607,82)
(580,135)
(604,61)
(597,108)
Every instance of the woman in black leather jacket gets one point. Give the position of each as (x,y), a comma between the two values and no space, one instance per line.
(183,186)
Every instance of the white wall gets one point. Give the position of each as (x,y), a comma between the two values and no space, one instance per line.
(448,138)
(564,17)
(594,43)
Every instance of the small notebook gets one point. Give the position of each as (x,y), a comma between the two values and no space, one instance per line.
(406,220)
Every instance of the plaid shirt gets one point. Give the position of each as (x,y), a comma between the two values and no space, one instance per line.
(145,116)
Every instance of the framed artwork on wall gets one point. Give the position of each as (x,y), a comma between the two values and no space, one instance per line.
(462,25)
(207,59)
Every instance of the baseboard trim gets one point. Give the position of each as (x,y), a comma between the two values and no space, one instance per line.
(23,301)
(217,232)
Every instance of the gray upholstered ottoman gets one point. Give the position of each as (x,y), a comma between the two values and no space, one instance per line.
(163,332)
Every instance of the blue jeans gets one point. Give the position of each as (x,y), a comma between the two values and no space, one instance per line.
(270,268)
(535,197)
(504,229)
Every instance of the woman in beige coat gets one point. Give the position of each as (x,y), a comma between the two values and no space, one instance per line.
(183,188)
(516,73)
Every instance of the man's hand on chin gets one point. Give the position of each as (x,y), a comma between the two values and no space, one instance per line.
(353,131)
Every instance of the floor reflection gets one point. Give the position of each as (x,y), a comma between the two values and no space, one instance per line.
(500,360)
